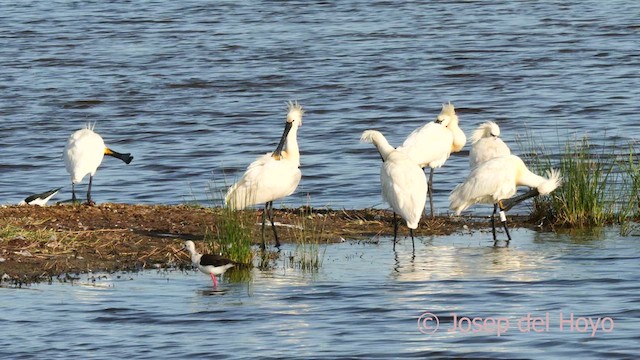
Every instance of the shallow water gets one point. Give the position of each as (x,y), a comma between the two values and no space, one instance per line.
(364,302)
(196,91)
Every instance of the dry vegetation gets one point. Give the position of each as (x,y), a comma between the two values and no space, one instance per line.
(40,243)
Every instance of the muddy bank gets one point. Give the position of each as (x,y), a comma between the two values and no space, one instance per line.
(41,243)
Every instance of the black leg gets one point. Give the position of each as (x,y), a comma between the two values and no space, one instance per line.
(395,230)
(263,246)
(430,190)
(273,226)
(89,202)
(73,193)
(493,222)
(412,243)
(503,218)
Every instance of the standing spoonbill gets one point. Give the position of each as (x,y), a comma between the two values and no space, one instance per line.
(209,263)
(271,176)
(83,154)
(486,144)
(403,182)
(431,144)
(495,181)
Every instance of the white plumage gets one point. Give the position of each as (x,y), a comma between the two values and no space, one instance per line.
(497,179)
(486,144)
(210,264)
(274,175)
(432,144)
(403,182)
(40,199)
(83,154)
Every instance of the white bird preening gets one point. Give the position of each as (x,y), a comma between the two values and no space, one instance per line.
(83,154)
(40,199)
(403,183)
(486,144)
(209,263)
(271,176)
(432,144)
(495,181)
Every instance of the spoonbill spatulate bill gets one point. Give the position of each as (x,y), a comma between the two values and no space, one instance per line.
(83,154)
(271,176)
(495,181)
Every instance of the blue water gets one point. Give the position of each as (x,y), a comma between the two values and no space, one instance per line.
(364,301)
(196,90)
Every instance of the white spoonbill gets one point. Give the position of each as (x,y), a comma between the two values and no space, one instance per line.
(40,199)
(495,181)
(210,264)
(403,182)
(486,144)
(83,154)
(431,144)
(271,176)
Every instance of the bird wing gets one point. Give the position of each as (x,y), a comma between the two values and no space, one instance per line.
(266,179)
(404,187)
(43,197)
(429,145)
(214,260)
(488,182)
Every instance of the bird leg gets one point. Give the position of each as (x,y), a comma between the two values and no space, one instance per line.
(263,246)
(73,194)
(503,219)
(395,230)
(493,221)
(273,225)
(215,282)
(89,202)
(430,191)
(412,243)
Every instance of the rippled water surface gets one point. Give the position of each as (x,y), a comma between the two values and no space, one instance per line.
(196,90)
(364,302)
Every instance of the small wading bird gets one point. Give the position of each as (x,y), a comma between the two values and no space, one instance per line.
(83,154)
(495,181)
(486,144)
(40,199)
(431,144)
(403,182)
(207,263)
(271,176)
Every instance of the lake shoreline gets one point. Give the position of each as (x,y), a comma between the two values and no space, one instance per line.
(40,243)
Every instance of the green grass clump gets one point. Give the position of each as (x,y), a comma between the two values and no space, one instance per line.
(234,235)
(598,187)
(588,193)
(309,253)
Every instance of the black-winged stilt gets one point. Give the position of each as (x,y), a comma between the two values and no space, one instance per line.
(209,263)
(40,199)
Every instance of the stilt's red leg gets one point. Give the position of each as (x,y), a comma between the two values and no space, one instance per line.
(215,282)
